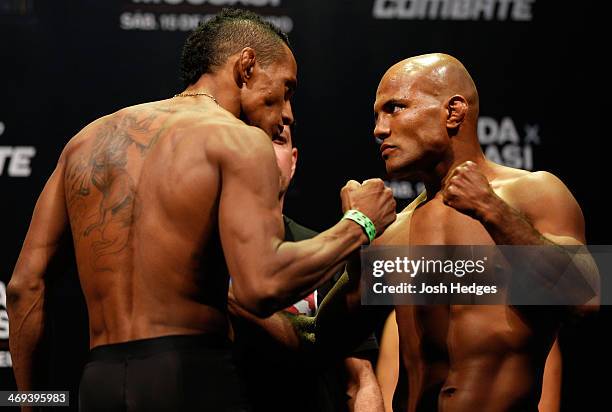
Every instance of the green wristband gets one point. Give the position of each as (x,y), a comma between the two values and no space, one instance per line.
(363,221)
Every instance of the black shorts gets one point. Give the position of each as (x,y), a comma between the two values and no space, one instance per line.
(169,373)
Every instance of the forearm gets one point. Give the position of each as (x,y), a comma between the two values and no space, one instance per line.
(507,226)
(295,269)
(362,388)
(25,306)
(387,365)
(291,331)
(340,325)
(315,260)
(550,399)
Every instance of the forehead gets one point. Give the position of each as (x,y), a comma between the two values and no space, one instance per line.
(286,65)
(395,84)
(394,81)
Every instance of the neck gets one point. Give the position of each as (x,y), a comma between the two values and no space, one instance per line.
(222,88)
(461,151)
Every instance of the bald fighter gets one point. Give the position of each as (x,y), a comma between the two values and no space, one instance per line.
(461,358)
(161,201)
(467,358)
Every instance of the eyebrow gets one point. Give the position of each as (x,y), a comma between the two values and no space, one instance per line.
(395,101)
(291,84)
(389,101)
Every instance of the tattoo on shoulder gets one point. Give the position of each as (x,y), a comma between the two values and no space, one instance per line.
(103,170)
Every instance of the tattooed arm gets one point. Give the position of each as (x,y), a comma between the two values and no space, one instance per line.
(26,290)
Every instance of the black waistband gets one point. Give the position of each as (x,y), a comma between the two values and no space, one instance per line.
(147,347)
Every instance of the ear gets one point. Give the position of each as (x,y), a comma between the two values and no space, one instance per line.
(294,157)
(245,65)
(456,110)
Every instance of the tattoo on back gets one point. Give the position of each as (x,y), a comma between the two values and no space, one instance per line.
(104,169)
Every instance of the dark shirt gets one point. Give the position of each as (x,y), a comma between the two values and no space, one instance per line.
(279,379)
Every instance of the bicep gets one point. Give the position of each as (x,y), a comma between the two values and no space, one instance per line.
(553,210)
(556,215)
(250,218)
(47,229)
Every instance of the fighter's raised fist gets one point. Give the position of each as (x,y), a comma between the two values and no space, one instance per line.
(468,190)
(372,199)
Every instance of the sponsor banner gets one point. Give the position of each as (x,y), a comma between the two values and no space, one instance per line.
(15,161)
(505,143)
(186,15)
(404,190)
(484,275)
(462,10)
(5,356)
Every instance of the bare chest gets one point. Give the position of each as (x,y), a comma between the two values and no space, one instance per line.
(434,223)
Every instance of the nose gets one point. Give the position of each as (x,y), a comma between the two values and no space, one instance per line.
(381,129)
(287,113)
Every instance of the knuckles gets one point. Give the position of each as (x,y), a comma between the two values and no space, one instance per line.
(374,183)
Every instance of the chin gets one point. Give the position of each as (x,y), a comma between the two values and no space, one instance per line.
(402,171)
(268,131)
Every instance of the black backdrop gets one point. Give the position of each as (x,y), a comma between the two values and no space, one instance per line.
(538,66)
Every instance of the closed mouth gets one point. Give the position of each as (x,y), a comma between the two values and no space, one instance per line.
(385,148)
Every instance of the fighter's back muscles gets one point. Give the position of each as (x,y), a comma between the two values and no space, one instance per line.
(142,201)
(146,189)
(186,172)
(130,258)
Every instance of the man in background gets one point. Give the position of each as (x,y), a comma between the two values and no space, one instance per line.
(280,379)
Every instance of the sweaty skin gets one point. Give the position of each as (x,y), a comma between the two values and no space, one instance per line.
(459,358)
(132,255)
(163,200)
(466,358)
(387,371)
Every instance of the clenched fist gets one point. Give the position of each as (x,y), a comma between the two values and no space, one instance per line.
(468,190)
(372,199)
